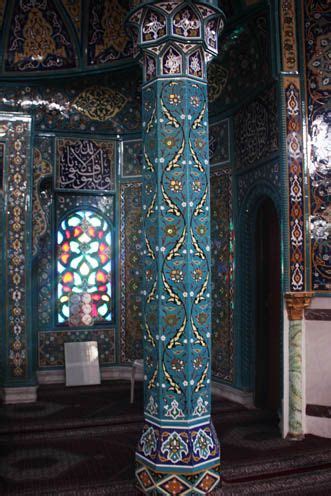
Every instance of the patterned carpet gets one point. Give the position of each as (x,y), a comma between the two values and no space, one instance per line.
(81,442)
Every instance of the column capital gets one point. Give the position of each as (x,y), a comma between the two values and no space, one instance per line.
(296,303)
(176,38)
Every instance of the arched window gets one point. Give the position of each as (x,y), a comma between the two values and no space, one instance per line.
(84,269)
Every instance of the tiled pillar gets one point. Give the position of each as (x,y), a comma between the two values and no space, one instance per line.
(295,304)
(178,451)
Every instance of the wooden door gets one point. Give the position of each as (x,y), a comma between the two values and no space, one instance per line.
(268,318)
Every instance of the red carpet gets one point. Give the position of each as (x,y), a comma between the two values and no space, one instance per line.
(81,442)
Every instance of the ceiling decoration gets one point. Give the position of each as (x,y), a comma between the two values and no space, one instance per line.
(44,36)
(38,38)
(74,10)
(107,38)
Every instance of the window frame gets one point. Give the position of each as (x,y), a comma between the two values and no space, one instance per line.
(58,220)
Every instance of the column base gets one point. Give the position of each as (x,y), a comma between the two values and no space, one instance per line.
(172,483)
(15,395)
(178,459)
(295,437)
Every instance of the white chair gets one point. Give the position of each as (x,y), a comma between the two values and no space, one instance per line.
(137,366)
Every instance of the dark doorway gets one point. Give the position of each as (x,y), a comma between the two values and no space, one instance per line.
(267,362)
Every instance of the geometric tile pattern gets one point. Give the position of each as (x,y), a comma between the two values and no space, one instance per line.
(132,158)
(178,484)
(51,345)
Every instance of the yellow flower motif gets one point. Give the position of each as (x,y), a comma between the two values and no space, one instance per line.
(197,274)
(196,185)
(195,100)
(199,143)
(171,319)
(171,231)
(201,230)
(176,186)
(174,99)
(170,141)
(177,364)
(176,275)
(202,318)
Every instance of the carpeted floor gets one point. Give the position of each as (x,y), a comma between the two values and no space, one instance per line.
(81,442)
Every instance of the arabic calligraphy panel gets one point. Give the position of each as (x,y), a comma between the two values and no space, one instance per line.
(84,164)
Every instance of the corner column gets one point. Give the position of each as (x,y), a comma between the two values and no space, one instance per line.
(295,304)
(178,451)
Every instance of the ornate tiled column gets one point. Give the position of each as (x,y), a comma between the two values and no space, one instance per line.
(178,452)
(295,304)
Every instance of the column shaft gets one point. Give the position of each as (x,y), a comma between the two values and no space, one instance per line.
(178,451)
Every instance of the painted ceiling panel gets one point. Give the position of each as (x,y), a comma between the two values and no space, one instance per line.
(38,38)
(44,36)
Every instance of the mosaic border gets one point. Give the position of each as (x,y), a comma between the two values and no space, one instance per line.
(294,154)
(17,130)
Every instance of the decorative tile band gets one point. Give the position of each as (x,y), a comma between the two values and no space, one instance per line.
(185,449)
(17,131)
(296,183)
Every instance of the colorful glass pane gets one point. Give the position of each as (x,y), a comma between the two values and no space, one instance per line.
(84,263)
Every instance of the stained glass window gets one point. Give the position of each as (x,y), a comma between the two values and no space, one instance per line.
(84,268)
